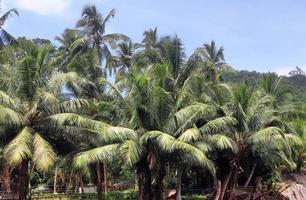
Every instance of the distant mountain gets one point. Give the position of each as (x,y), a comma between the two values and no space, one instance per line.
(295,84)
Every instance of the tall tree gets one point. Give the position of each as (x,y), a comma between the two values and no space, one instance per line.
(28,98)
(213,58)
(93,36)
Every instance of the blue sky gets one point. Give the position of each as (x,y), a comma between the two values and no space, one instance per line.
(261,35)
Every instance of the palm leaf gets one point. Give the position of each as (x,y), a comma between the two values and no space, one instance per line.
(131,151)
(99,154)
(43,156)
(20,148)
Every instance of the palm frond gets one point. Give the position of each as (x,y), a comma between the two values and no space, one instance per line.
(99,154)
(190,135)
(217,125)
(131,151)
(185,117)
(222,142)
(44,155)
(20,148)
(10,117)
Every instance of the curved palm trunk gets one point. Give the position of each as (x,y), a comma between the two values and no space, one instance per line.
(21,179)
(251,175)
(159,193)
(179,183)
(6,177)
(218,189)
(224,185)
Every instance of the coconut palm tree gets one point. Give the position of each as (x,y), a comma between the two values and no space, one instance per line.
(272,84)
(259,133)
(213,58)
(29,97)
(93,36)
(125,58)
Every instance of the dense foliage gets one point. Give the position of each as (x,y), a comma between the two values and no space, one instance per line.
(100,109)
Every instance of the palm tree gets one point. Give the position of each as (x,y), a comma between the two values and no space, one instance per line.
(5,37)
(150,39)
(166,50)
(259,133)
(153,111)
(28,98)
(213,57)
(271,84)
(93,37)
(125,58)
(161,113)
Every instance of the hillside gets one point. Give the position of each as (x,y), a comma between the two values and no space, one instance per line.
(295,84)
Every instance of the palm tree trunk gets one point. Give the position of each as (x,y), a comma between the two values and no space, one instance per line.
(55,181)
(105,177)
(251,175)
(140,175)
(145,182)
(218,189)
(6,177)
(99,182)
(21,179)
(147,189)
(69,181)
(81,184)
(233,185)
(179,183)
(224,185)
(159,193)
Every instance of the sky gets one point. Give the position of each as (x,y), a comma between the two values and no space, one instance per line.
(260,35)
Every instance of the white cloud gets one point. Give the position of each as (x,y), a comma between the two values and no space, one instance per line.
(42,7)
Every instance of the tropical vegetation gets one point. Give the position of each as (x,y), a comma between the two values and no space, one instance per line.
(100,109)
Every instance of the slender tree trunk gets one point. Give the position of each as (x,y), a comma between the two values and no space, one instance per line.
(81,184)
(232,192)
(179,183)
(99,182)
(6,177)
(218,189)
(21,179)
(31,167)
(55,181)
(77,183)
(224,185)
(161,173)
(251,175)
(105,177)
(69,181)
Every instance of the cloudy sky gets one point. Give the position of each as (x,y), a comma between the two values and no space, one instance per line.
(261,35)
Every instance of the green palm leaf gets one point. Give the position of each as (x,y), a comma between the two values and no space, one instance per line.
(217,125)
(20,148)
(43,156)
(99,154)
(131,151)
